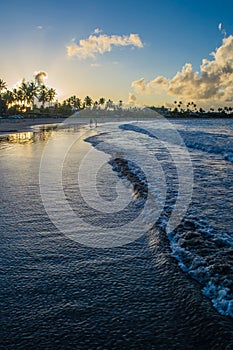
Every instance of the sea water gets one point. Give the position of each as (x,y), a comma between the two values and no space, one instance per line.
(148,264)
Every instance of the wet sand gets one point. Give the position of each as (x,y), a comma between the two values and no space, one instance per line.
(19,125)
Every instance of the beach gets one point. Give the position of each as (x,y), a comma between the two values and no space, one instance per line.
(18,125)
(8,126)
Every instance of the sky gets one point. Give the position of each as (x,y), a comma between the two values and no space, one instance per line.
(141,52)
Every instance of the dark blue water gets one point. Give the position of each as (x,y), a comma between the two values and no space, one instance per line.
(59,294)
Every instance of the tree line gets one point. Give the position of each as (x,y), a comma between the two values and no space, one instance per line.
(192,107)
(35,98)
(31,97)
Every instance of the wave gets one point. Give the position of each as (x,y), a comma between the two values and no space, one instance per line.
(210,143)
(202,252)
(207,257)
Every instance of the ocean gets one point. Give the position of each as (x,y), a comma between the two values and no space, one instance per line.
(118,236)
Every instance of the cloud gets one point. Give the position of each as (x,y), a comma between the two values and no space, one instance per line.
(156,85)
(99,44)
(213,81)
(139,85)
(221,29)
(160,81)
(97,31)
(96,65)
(132,99)
(40,77)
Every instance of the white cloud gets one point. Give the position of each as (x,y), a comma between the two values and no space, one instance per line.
(221,29)
(97,31)
(99,44)
(213,82)
(39,27)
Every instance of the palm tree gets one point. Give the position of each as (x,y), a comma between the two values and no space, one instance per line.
(78,102)
(23,92)
(180,104)
(20,97)
(9,97)
(95,104)
(73,102)
(51,94)
(3,86)
(43,95)
(102,101)
(28,92)
(15,95)
(31,93)
(88,101)
(109,104)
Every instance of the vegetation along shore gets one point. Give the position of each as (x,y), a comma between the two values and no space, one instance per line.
(34,100)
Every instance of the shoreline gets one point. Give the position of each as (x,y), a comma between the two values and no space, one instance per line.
(16,126)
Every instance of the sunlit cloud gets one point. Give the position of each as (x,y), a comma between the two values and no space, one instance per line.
(139,85)
(212,82)
(39,27)
(40,77)
(155,85)
(99,44)
(132,99)
(160,81)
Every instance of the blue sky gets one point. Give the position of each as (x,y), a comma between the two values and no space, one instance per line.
(35,37)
